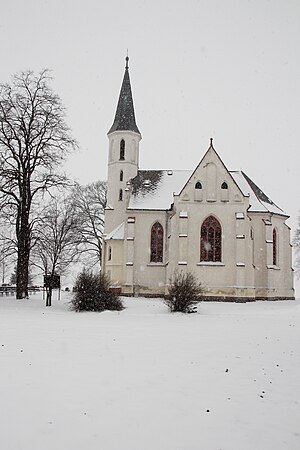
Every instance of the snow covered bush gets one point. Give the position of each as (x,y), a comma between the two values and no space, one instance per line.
(184,292)
(92,292)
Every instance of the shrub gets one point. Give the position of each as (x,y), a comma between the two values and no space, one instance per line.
(184,292)
(92,292)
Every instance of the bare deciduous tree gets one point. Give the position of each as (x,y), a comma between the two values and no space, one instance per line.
(34,140)
(57,239)
(89,202)
(296,243)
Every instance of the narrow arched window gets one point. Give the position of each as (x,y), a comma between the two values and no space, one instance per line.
(109,254)
(211,240)
(120,195)
(122,150)
(121,175)
(224,185)
(157,243)
(198,185)
(274,247)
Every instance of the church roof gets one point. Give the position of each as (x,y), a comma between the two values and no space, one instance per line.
(154,189)
(258,200)
(117,233)
(124,117)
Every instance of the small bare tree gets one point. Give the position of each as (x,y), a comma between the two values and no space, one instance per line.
(184,292)
(57,239)
(34,140)
(89,202)
(296,243)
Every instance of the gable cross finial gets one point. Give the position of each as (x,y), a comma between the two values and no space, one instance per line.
(127,59)
(211,142)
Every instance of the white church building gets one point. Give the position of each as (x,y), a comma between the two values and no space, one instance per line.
(210,221)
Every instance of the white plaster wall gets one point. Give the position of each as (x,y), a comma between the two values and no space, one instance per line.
(147,277)
(272,280)
(116,209)
(245,269)
(114,267)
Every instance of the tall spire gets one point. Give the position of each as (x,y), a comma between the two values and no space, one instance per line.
(125,118)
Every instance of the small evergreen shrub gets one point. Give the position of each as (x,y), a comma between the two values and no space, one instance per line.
(92,292)
(184,293)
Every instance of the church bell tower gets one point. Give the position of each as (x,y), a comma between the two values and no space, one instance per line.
(123,155)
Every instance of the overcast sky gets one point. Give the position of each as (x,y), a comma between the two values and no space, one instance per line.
(227,69)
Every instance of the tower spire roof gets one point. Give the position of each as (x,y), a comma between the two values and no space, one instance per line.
(124,117)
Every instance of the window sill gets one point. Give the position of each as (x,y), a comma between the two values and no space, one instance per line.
(270,266)
(154,264)
(211,263)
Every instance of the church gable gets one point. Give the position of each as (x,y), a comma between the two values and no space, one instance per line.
(211,182)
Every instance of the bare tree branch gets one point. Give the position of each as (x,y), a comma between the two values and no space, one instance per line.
(34,141)
(57,239)
(89,202)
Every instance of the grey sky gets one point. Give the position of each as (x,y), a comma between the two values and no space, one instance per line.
(199,69)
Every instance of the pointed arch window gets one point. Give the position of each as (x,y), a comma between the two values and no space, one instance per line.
(120,195)
(274,247)
(224,185)
(121,175)
(211,240)
(109,254)
(157,242)
(198,185)
(122,150)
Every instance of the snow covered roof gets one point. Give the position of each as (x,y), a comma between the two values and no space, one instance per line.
(154,189)
(117,233)
(258,201)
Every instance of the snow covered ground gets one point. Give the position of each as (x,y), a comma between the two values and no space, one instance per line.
(227,378)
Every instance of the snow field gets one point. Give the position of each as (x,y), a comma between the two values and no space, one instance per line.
(226,378)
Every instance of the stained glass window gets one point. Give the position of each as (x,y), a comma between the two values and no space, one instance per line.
(274,247)
(211,240)
(157,242)
(122,150)
(198,185)
(121,175)
(120,195)
(224,185)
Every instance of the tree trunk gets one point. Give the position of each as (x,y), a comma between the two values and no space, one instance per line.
(23,239)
